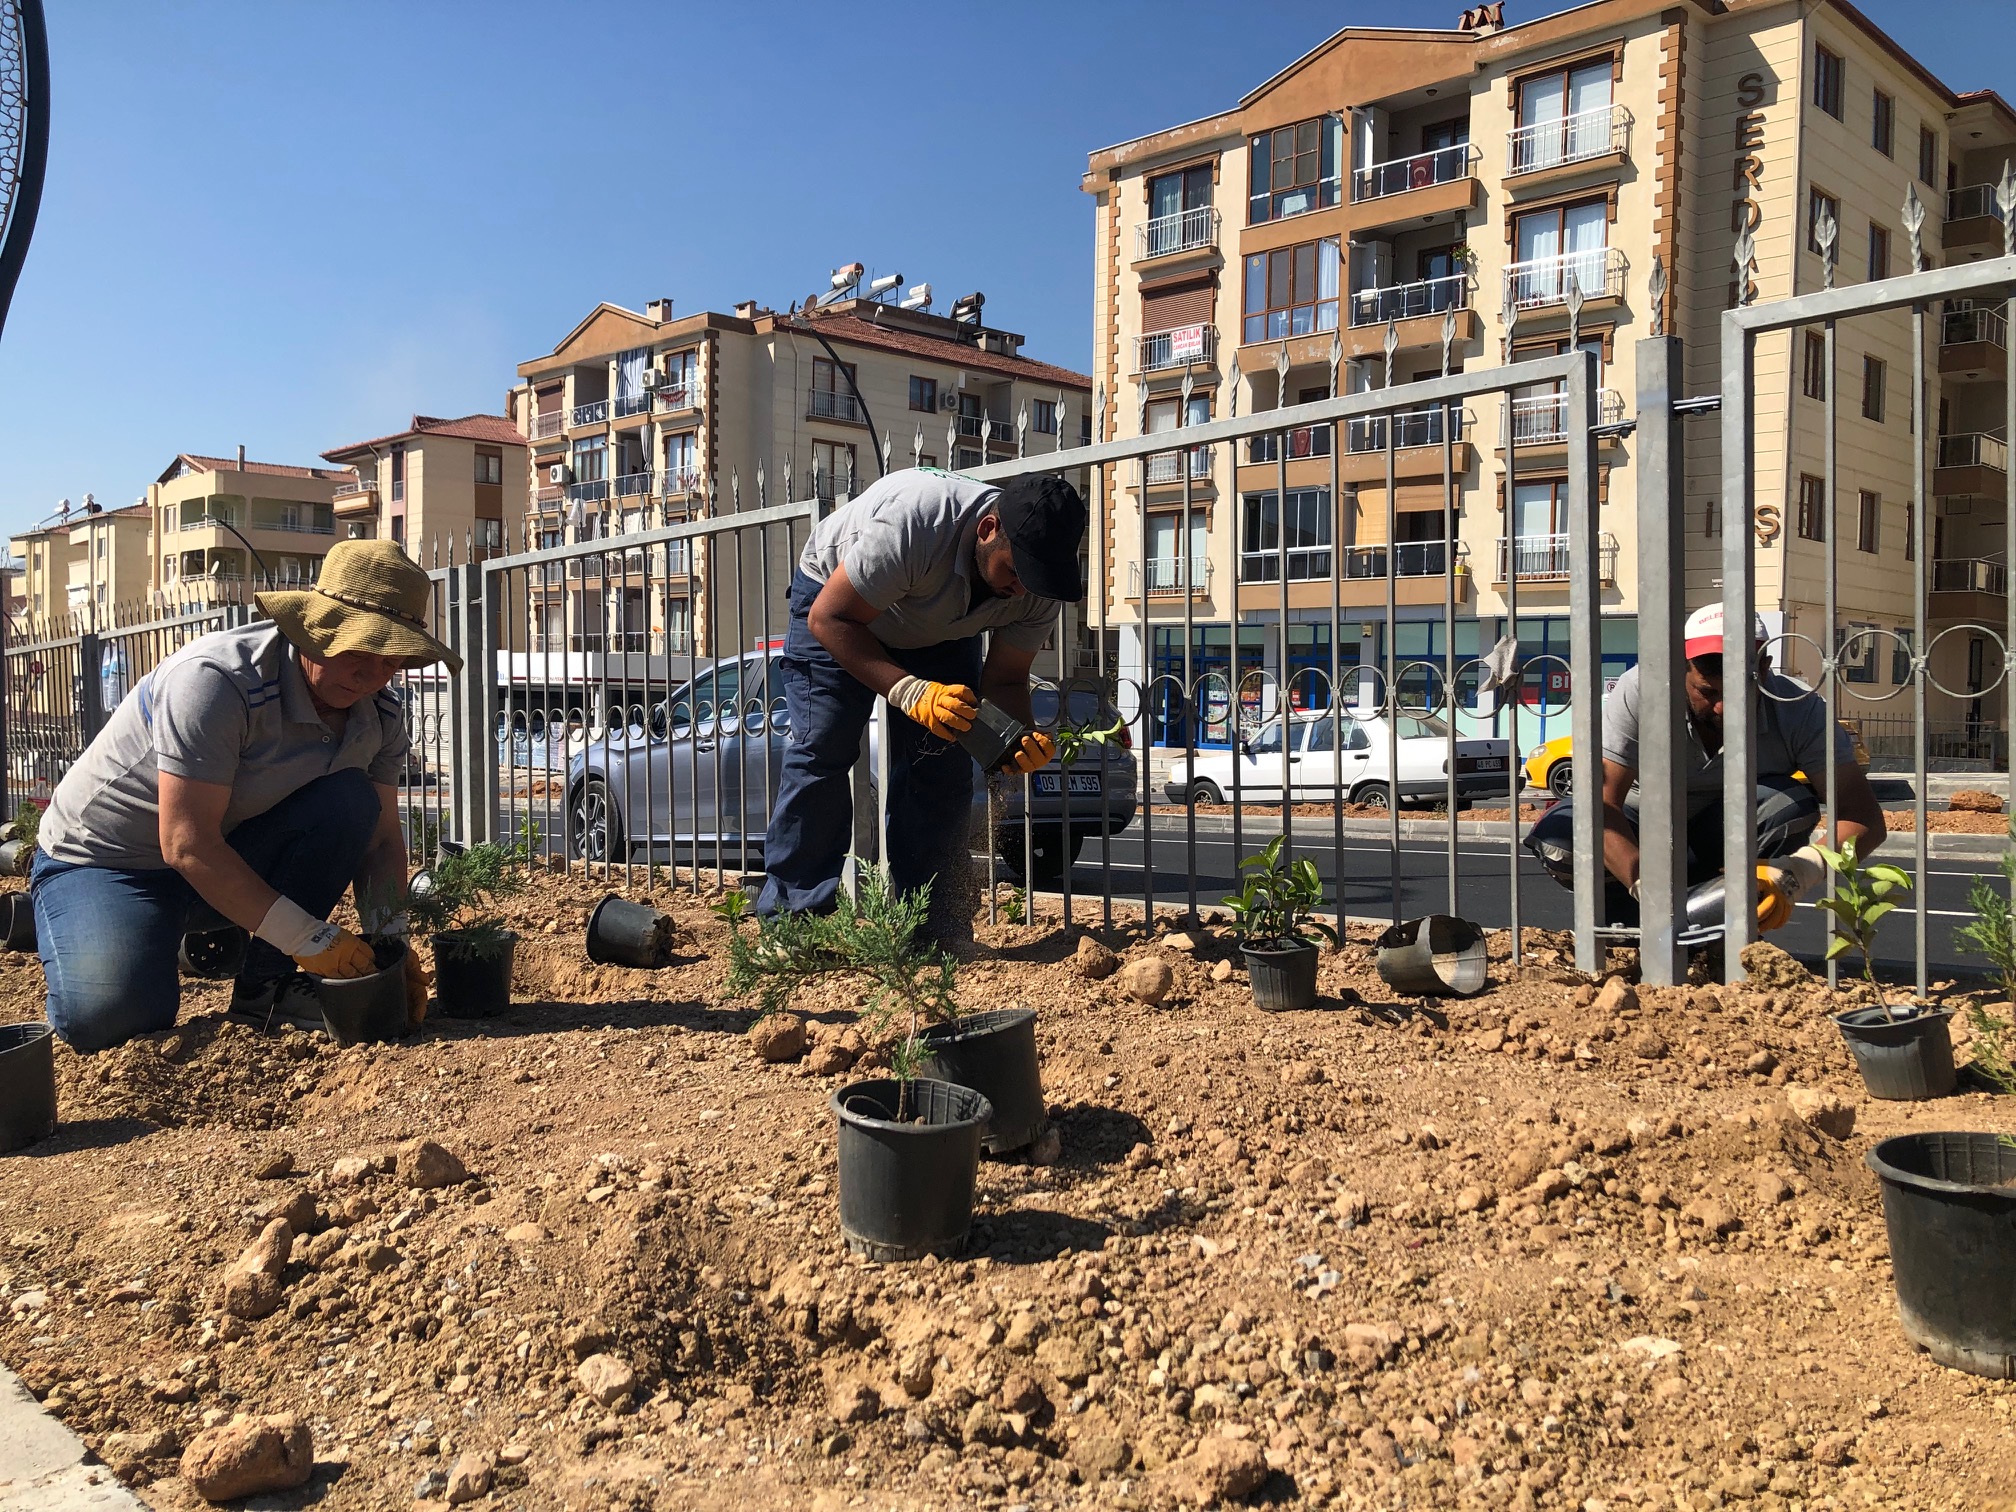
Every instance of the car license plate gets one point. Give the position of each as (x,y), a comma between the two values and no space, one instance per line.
(1486,764)
(1081,785)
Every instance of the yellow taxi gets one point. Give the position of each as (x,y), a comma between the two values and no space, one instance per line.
(1547,766)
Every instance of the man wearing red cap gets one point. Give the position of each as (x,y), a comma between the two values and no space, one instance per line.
(1790,732)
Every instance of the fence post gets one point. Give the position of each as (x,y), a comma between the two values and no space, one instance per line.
(474,699)
(1662,795)
(1585,661)
(90,703)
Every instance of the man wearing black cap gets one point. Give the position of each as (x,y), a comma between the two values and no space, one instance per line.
(891,596)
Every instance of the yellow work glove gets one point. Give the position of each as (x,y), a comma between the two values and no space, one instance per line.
(417,983)
(1033,754)
(1774,899)
(344,956)
(945,709)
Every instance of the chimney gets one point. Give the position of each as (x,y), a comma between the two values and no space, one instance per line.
(746,310)
(1483,20)
(659,310)
(241,456)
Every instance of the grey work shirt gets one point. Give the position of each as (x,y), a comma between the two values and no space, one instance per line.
(1790,731)
(907,544)
(231,708)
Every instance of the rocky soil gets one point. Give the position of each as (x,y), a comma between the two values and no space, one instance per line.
(1564,1245)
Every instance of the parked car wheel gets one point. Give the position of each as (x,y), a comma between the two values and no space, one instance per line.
(1371,794)
(591,822)
(1560,778)
(1204,790)
(1047,844)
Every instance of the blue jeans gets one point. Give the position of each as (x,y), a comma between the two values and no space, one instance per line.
(109,935)
(930,780)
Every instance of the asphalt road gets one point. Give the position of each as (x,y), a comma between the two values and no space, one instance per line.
(1484,891)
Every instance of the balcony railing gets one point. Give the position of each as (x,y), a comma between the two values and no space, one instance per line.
(994,430)
(1971,201)
(550,423)
(680,480)
(1303,441)
(1305,564)
(1544,558)
(1168,467)
(678,397)
(831,404)
(588,493)
(296,527)
(1973,575)
(1423,170)
(1185,231)
(356,486)
(1960,327)
(628,485)
(1571,139)
(1542,419)
(1430,296)
(1411,559)
(632,404)
(1170,577)
(679,558)
(591,414)
(1422,427)
(1176,348)
(1978,450)
(1598,273)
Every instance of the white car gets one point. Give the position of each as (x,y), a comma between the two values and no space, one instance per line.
(1482,766)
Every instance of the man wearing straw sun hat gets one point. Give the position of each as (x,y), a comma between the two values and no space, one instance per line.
(248,778)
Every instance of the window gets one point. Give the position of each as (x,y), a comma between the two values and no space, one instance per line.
(682,460)
(1875,380)
(1563,117)
(1883,124)
(1868,521)
(680,386)
(927,459)
(1900,656)
(1812,508)
(1928,156)
(1043,416)
(832,395)
(1307,536)
(1292,291)
(1830,77)
(1551,244)
(1816,204)
(1294,169)
(964,458)
(832,469)
(923,393)
(489,467)
(1814,381)
(1879,252)
(398,473)
(490,534)
(1179,211)
(1910,538)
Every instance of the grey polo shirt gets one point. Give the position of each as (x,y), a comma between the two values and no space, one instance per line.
(907,544)
(230,708)
(1790,731)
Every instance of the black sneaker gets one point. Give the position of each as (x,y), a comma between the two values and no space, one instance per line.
(268,1005)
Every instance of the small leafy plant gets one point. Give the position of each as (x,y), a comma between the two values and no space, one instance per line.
(731,909)
(27,823)
(1861,899)
(872,936)
(1273,908)
(1074,740)
(1991,934)
(457,905)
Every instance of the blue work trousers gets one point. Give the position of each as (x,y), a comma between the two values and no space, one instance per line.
(930,780)
(109,936)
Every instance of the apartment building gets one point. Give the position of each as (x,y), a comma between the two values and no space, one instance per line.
(1395,178)
(86,563)
(639,420)
(436,487)
(226,527)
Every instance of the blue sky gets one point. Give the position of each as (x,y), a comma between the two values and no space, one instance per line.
(294,224)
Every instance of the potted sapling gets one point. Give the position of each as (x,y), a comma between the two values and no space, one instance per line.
(1904,1050)
(370,1009)
(17,854)
(1272,914)
(909,1144)
(455,908)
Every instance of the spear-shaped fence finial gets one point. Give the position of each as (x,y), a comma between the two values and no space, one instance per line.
(1746,259)
(1827,236)
(1448,342)
(1336,360)
(1022,430)
(2005,201)
(1655,285)
(1571,298)
(1914,226)
(1392,345)
(917,447)
(1232,386)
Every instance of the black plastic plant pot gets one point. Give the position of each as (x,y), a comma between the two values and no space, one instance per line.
(215,953)
(994,736)
(906,1188)
(1905,1059)
(1949,1203)
(470,983)
(995,1055)
(27,1084)
(1283,977)
(18,921)
(629,934)
(367,1010)
(15,858)
(1438,956)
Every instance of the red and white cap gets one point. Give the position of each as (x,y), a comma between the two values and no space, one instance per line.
(1703,633)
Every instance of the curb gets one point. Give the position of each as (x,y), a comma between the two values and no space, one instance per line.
(44,1467)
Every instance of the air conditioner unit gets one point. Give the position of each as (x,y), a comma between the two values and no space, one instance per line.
(653,379)
(948,399)
(557,473)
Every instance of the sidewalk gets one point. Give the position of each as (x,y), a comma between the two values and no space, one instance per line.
(44,1467)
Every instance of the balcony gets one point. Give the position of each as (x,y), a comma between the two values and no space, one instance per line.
(1417,446)
(1001,432)
(590,414)
(1171,577)
(1544,281)
(1974,344)
(1545,558)
(591,492)
(680,480)
(831,404)
(633,404)
(1430,296)
(1192,230)
(550,423)
(1590,136)
(1422,427)
(1303,441)
(1185,346)
(1411,559)
(1973,220)
(1972,466)
(1541,420)
(1306,564)
(358,498)
(630,485)
(1424,170)
(1973,592)
(679,558)
(677,397)
(1169,467)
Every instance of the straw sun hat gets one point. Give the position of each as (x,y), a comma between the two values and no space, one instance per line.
(370,597)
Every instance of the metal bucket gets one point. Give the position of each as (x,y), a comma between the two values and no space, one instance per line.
(1439,956)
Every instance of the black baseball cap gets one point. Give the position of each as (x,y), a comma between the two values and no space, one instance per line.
(1044,520)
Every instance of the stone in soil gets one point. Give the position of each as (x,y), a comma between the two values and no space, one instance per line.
(469,1479)
(1822,1110)
(1771,969)
(249,1455)
(605,1378)
(1974,801)
(1615,997)
(255,1282)
(1221,1470)
(778,1037)
(425,1164)
(1147,980)
(1094,961)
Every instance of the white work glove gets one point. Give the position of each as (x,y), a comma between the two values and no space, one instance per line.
(316,945)
(1798,873)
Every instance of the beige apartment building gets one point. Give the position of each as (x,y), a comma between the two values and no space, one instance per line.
(226,527)
(90,564)
(639,420)
(439,488)
(1394,177)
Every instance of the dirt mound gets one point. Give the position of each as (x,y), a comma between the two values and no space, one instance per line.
(207,1070)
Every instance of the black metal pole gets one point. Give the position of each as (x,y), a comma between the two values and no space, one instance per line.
(848,373)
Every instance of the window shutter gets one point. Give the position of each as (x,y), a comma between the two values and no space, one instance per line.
(1172,305)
